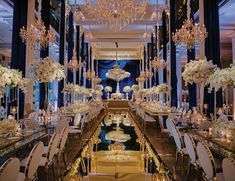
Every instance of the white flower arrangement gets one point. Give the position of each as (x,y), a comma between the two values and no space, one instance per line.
(127,89)
(74,88)
(198,71)
(77,107)
(135,88)
(221,78)
(108,89)
(13,78)
(164,88)
(99,87)
(46,70)
(8,126)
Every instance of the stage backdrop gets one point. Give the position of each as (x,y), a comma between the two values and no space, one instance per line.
(131,66)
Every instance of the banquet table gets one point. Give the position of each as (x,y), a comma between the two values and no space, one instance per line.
(221,146)
(15,143)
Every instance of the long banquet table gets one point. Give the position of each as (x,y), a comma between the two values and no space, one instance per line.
(221,146)
(12,144)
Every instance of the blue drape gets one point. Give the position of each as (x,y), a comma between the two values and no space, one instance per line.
(61,53)
(18,58)
(211,12)
(131,66)
(164,42)
(70,45)
(173,56)
(45,52)
(192,89)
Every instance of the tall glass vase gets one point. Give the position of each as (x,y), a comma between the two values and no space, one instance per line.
(46,96)
(200,97)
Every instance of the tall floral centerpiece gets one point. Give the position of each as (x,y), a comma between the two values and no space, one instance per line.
(108,89)
(12,78)
(164,89)
(198,71)
(222,78)
(127,89)
(44,71)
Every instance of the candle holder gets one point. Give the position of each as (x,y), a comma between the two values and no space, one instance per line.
(14,110)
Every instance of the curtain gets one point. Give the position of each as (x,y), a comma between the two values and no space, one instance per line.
(18,53)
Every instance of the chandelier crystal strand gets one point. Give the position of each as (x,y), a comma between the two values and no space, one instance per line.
(37,36)
(73,63)
(189,34)
(115,14)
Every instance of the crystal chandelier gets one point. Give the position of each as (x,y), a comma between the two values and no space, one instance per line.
(158,63)
(189,34)
(37,36)
(141,78)
(116,73)
(97,80)
(115,14)
(75,64)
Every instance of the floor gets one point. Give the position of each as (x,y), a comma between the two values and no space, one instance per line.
(165,148)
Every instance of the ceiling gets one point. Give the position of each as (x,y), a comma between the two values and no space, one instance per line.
(129,39)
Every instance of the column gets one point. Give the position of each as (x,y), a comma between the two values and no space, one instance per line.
(62,51)
(173,77)
(45,52)
(18,53)
(233,45)
(70,46)
(212,46)
(179,77)
(164,42)
(78,52)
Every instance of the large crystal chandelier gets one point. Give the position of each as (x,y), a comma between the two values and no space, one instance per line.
(37,36)
(116,73)
(75,64)
(115,14)
(189,34)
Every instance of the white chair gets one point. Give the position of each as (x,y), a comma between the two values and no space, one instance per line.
(191,149)
(10,170)
(228,166)
(180,149)
(62,142)
(48,159)
(77,119)
(207,163)
(31,163)
(163,130)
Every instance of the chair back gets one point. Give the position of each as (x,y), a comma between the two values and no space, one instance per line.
(52,149)
(63,123)
(77,119)
(10,169)
(63,139)
(34,160)
(169,125)
(177,138)
(228,166)
(223,117)
(160,118)
(190,147)
(205,125)
(206,160)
